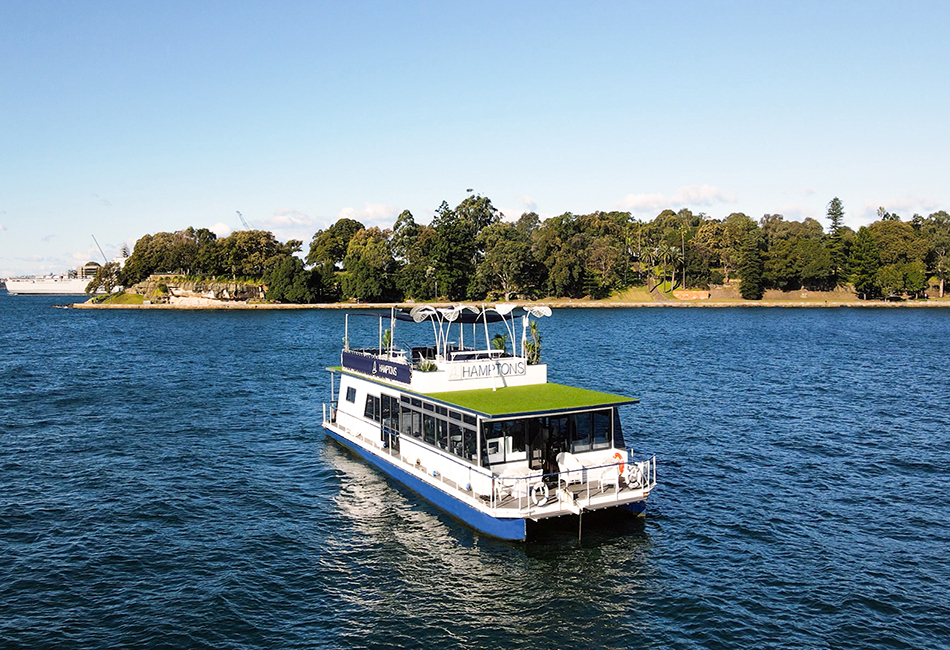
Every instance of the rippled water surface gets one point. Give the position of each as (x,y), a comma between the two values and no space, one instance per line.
(164,482)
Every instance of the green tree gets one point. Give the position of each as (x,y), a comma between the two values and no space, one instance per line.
(864,264)
(370,266)
(561,247)
(107,279)
(890,278)
(251,253)
(289,282)
(896,241)
(839,254)
(330,246)
(737,227)
(507,262)
(455,253)
(751,269)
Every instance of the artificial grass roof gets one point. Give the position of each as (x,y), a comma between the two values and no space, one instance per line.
(521,400)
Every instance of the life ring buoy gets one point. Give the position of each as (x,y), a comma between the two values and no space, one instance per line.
(540,493)
(619,457)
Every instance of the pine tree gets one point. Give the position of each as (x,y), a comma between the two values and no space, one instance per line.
(865,262)
(836,239)
(751,267)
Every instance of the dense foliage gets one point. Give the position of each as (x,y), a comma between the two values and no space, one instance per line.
(470,252)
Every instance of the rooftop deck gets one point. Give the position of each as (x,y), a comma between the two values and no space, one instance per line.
(525,400)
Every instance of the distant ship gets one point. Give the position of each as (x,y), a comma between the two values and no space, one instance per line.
(72,283)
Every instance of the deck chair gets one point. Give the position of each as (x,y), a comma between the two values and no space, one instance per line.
(571,470)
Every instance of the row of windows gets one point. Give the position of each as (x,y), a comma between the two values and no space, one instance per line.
(502,441)
(451,431)
(510,440)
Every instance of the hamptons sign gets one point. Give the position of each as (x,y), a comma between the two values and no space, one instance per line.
(377,367)
(487,369)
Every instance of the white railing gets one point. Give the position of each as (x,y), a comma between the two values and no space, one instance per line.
(593,482)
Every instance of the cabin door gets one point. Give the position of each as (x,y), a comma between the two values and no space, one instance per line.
(548,437)
(389,424)
(538,435)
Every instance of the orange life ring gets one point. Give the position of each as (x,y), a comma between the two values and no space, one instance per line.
(619,457)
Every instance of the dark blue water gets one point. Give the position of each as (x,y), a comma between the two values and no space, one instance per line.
(164,482)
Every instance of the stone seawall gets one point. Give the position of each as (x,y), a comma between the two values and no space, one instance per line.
(159,289)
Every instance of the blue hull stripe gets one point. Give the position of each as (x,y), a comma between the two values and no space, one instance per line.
(512,529)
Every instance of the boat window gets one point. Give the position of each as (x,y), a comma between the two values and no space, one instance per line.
(442,434)
(428,429)
(503,442)
(416,402)
(390,411)
(416,430)
(468,445)
(493,443)
(455,440)
(455,415)
(581,435)
(405,422)
(441,410)
(600,431)
(372,408)
(468,419)
(350,394)
(428,407)
(618,440)
(404,399)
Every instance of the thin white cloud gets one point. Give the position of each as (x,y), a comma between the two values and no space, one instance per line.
(2,227)
(795,212)
(372,214)
(288,223)
(799,191)
(906,207)
(91,254)
(288,217)
(221,229)
(692,196)
(528,203)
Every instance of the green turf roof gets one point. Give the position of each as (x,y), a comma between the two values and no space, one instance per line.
(539,398)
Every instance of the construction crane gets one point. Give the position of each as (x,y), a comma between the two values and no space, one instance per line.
(241,217)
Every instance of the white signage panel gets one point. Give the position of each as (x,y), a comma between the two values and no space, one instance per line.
(487,369)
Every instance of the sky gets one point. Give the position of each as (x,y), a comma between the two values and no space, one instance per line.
(120,119)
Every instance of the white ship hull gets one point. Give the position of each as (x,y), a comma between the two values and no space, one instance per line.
(50,286)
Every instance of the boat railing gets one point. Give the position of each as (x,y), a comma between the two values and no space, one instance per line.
(329,409)
(578,487)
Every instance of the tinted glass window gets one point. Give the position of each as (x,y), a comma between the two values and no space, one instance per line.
(580,440)
(442,434)
(600,430)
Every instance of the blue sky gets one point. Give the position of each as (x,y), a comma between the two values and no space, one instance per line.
(119,119)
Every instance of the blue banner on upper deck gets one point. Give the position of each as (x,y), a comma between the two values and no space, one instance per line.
(377,367)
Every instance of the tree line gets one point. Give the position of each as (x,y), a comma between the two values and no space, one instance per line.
(470,253)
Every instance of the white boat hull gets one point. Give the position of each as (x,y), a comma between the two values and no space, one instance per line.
(47,286)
